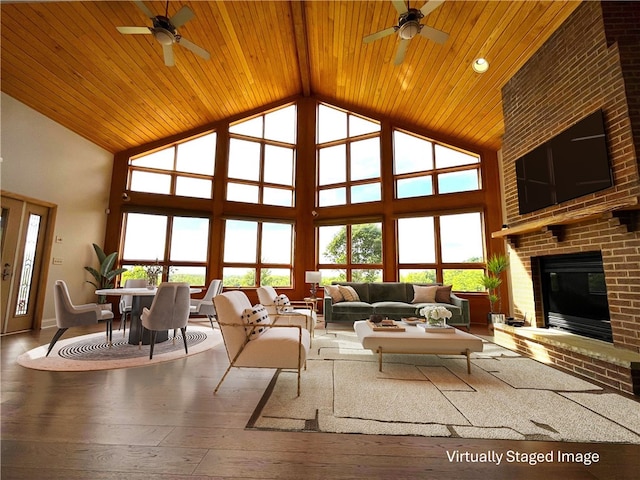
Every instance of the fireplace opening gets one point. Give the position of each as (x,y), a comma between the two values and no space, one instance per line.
(575,294)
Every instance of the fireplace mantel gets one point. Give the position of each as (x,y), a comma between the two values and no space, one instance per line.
(552,223)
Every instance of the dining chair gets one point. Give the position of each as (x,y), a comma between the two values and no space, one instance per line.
(69,315)
(204,305)
(252,341)
(285,311)
(169,310)
(126,301)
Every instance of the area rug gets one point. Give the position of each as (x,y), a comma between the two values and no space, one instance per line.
(506,396)
(92,352)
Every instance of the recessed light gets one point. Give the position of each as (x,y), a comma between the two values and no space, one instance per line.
(480,65)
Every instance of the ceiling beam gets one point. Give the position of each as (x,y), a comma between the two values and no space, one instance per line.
(302,44)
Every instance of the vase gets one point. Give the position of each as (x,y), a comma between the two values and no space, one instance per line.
(152,281)
(436,322)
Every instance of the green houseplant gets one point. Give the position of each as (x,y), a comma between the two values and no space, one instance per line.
(105,274)
(492,280)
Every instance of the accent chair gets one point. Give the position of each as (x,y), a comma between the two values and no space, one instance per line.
(258,343)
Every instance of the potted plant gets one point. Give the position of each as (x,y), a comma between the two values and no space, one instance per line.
(497,264)
(105,275)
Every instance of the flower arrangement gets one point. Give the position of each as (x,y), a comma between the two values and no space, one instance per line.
(435,315)
(152,272)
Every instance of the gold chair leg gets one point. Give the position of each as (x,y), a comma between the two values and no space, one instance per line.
(222,379)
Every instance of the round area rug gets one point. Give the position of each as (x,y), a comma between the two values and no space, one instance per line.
(92,352)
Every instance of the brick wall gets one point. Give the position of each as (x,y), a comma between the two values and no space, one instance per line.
(592,62)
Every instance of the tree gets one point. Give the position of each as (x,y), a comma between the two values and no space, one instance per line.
(366,249)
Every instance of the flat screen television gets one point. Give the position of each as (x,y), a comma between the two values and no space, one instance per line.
(571,164)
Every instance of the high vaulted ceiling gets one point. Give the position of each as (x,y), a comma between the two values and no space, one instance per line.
(68,61)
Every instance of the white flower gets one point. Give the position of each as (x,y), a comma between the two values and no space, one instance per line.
(436,313)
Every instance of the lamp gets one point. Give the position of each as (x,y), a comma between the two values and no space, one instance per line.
(314,278)
(480,65)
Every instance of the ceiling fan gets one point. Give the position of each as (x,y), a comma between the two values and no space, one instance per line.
(409,26)
(164,31)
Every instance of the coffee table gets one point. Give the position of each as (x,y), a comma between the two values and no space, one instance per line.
(415,340)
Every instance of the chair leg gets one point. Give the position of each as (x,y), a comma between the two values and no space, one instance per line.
(55,338)
(123,324)
(140,332)
(222,379)
(153,342)
(110,332)
(184,338)
(210,317)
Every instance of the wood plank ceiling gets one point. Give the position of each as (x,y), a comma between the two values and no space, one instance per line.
(68,61)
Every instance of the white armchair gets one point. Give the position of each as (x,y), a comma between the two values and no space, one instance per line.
(296,313)
(169,310)
(278,346)
(205,306)
(69,315)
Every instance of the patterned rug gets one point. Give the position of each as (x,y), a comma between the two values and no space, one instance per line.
(506,396)
(92,352)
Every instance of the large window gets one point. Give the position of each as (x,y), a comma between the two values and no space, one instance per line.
(262,158)
(257,253)
(184,169)
(350,252)
(178,245)
(348,158)
(422,167)
(445,248)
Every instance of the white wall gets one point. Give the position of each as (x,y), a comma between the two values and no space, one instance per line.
(43,160)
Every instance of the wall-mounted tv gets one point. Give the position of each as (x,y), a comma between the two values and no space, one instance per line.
(572,164)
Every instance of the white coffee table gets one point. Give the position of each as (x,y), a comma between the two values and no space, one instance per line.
(415,340)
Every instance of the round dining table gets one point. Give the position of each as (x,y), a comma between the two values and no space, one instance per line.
(141,297)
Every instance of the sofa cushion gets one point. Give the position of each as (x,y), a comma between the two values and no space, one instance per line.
(348,293)
(394,309)
(361,288)
(443,294)
(365,309)
(388,291)
(424,294)
(334,292)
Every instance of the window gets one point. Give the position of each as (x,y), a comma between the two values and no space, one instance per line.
(179,245)
(262,159)
(257,253)
(422,167)
(185,169)
(350,252)
(445,248)
(348,158)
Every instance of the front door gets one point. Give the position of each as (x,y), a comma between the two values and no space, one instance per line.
(22,232)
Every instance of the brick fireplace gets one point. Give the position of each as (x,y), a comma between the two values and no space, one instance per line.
(591,62)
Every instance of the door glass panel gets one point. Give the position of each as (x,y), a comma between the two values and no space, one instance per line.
(26,272)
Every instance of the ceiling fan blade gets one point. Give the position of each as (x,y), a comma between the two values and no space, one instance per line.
(183,16)
(144,9)
(401,6)
(167,51)
(194,48)
(134,30)
(434,34)
(429,7)
(402,50)
(380,34)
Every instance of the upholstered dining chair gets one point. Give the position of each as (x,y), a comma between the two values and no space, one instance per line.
(285,311)
(69,315)
(204,305)
(126,301)
(169,310)
(258,344)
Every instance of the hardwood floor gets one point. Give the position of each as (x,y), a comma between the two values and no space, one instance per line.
(163,422)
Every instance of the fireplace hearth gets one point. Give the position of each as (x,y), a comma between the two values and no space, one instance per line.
(575,294)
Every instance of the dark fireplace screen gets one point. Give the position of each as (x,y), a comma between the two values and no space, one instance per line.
(575,294)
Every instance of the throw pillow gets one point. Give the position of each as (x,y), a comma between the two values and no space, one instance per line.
(349,293)
(424,294)
(283,304)
(334,292)
(443,294)
(257,315)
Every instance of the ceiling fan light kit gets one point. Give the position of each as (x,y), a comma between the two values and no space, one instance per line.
(409,26)
(165,32)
